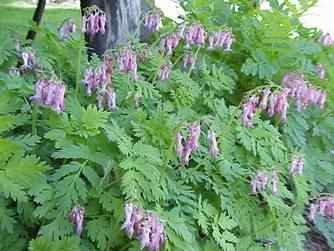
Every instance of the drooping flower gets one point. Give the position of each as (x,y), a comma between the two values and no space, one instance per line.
(248,111)
(106,98)
(133,217)
(164,72)
(191,144)
(152,22)
(326,39)
(29,61)
(282,104)
(66,29)
(194,131)
(93,20)
(76,217)
(296,166)
(293,80)
(220,39)
(49,93)
(188,61)
(259,182)
(320,70)
(265,93)
(127,62)
(194,35)
(169,43)
(274,181)
(213,146)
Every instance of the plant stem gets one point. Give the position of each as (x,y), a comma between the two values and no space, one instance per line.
(77,79)
(195,61)
(34,119)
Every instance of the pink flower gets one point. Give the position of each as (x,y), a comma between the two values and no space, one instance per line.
(326,40)
(191,145)
(259,182)
(65,30)
(296,167)
(127,62)
(248,111)
(213,146)
(152,22)
(107,98)
(179,145)
(320,70)
(188,61)
(29,60)
(164,72)
(169,43)
(220,39)
(145,227)
(76,217)
(195,34)
(274,181)
(324,206)
(264,98)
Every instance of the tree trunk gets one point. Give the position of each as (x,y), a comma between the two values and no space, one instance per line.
(123,20)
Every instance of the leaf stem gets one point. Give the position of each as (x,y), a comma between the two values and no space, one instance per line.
(78,73)
(34,119)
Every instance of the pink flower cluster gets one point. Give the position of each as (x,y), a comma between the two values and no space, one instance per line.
(302,94)
(99,79)
(213,146)
(152,22)
(326,40)
(276,102)
(296,166)
(191,144)
(164,72)
(127,62)
(169,43)
(76,217)
(49,93)
(324,206)
(143,226)
(94,78)
(93,21)
(261,181)
(185,149)
(271,103)
(194,35)
(65,30)
(221,39)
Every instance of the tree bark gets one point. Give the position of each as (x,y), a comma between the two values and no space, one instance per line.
(123,20)
(38,14)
